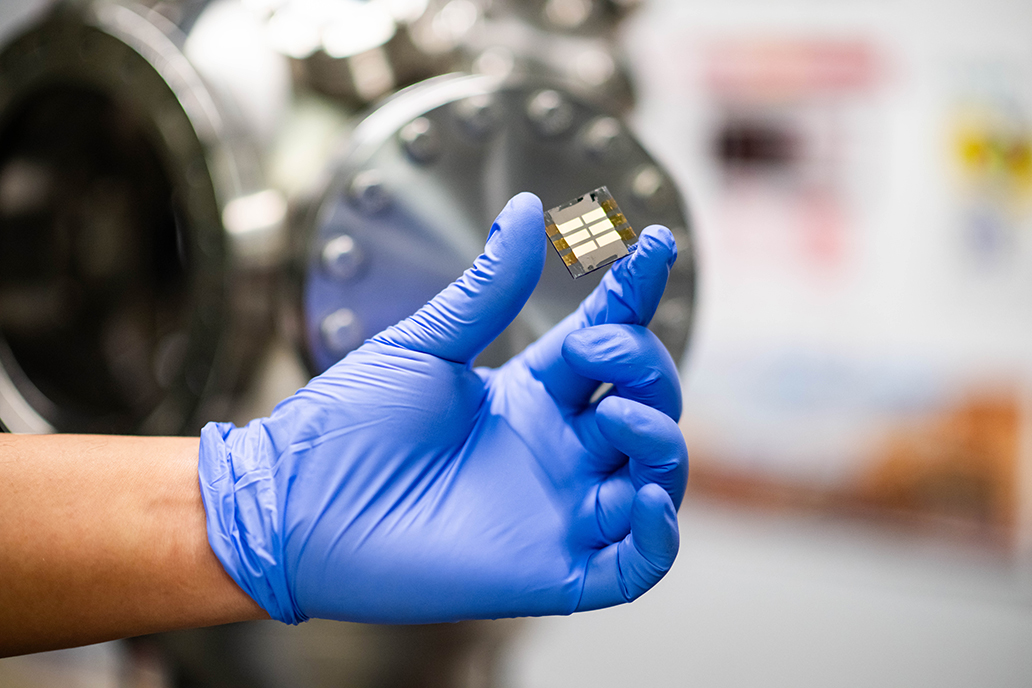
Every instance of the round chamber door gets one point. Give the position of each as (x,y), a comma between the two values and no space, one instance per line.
(135,248)
(413,198)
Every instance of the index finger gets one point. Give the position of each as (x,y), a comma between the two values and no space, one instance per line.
(628,294)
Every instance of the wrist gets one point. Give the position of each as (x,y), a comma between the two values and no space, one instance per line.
(243,513)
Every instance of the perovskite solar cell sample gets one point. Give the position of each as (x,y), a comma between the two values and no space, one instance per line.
(589,232)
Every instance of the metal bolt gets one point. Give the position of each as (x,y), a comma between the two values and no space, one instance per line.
(478,115)
(367,192)
(568,14)
(497,61)
(595,67)
(341,331)
(420,140)
(602,137)
(550,113)
(649,187)
(342,258)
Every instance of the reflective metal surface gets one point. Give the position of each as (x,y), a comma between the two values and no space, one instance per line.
(360,51)
(153,155)
(137,234)
(425,174)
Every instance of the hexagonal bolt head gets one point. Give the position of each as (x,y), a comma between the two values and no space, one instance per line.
(420,140)
(550,113)
(477,115)
(341,331)
(650,187)
(367,192)
(603,138)
(342,258)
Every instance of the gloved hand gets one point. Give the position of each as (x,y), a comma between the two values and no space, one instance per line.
(402,486)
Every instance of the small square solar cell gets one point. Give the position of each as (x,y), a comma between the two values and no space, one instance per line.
(589,232)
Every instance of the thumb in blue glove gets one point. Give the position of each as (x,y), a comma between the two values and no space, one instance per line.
(402,486)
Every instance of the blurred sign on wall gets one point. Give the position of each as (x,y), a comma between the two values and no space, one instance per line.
(861,178)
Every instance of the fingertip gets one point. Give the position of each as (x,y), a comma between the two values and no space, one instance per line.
(656,245)
(627,423)
(660,241)
(466,316)
(578,346)
(654,526)
(529,200)
(654,499)
(613,502)
(624,571)
(519,233)
(615,411)
(651,440)
(634,286)
(632,358)
(523,210)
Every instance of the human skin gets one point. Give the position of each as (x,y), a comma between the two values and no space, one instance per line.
(107,537)
(104,537)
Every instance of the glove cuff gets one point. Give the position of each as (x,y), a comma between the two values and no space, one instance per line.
(244,516)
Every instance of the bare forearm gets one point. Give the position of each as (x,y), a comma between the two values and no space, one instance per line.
(104,537)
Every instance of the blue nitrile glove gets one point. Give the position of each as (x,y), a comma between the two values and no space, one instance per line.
(402,486)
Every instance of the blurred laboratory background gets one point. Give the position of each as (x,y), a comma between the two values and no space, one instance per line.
(203,203)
